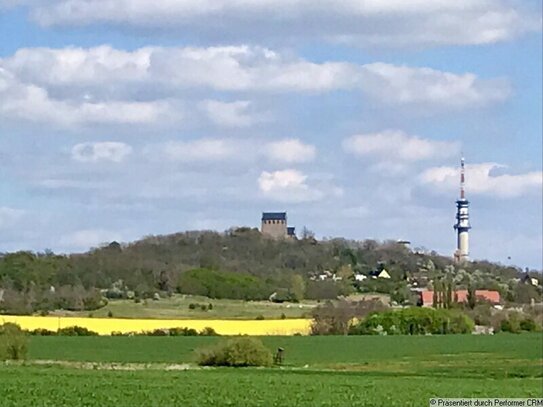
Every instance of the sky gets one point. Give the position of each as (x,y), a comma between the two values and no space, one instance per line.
(126,118)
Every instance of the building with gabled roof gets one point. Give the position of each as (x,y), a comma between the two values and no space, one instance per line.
(427,297)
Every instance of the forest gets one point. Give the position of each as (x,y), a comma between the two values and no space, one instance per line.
(240,263)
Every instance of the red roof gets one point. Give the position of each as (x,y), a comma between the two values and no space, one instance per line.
(462,295)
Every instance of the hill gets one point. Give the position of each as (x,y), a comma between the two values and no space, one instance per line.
(237,264)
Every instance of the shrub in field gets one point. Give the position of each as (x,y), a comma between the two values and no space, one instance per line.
(42,332)
(182,332)
(336,319)
(414,321)
(528,324)
(236,352)
(76,331)
(13,342)
(208,331)
(157,332)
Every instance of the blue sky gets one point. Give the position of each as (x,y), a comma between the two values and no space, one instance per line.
(120,119)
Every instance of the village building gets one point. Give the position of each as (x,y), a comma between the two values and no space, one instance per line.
(427,297)
(380,274)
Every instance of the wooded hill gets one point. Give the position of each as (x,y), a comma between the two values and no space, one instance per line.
(238,264)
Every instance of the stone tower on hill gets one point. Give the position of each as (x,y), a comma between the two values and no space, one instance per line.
(274,224)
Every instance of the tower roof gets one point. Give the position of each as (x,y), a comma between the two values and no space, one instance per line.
(274,216)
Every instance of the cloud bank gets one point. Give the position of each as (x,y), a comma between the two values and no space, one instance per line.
(392,23)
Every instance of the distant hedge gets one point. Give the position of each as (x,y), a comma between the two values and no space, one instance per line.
(81,331)
(414,321)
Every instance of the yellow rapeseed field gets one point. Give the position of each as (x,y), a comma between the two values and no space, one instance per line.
(105,326)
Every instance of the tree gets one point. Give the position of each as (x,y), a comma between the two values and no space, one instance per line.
(471,296)
(307,234)
(297,287)
(336,319)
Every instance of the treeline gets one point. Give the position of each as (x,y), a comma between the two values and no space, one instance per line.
(238,264)
(375,318)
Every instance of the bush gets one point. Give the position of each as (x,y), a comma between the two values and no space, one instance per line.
(336,319)
(192,306)
(42,332)
(76,331)
(260,318)
(208,331)
(237,352)
(182,332)
(13,342)
(511,323)
(414,321)
(528,324)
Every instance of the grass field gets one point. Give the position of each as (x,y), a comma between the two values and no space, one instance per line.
(33,386)
(177,307)
(318,371)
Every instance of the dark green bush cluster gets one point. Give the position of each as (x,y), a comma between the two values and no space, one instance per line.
(223,284)
(13,342)
(76,331)
(42,332)
(68,331)
(515,323)
(207,331)
(203,307)
(236,352)
(414,321)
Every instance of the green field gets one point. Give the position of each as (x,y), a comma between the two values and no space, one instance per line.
(177,307)
(31,386)
(318,371)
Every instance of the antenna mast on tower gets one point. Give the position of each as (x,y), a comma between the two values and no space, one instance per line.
(462,225)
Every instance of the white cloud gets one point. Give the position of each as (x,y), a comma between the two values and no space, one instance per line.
(391,151)
(233,114)
(292,186)
(88,238)
(70,73)
(482,179)
(290,151)
(31,103)
(195,151)
(9,216)
(101,151)
(402,85)
(370,22)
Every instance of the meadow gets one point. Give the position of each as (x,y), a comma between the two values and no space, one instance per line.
(318,371)
(54,386)
(178,307)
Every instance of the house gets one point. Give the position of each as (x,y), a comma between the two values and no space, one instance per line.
(325,275)
(427,297)
(527,279)
(380,274)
